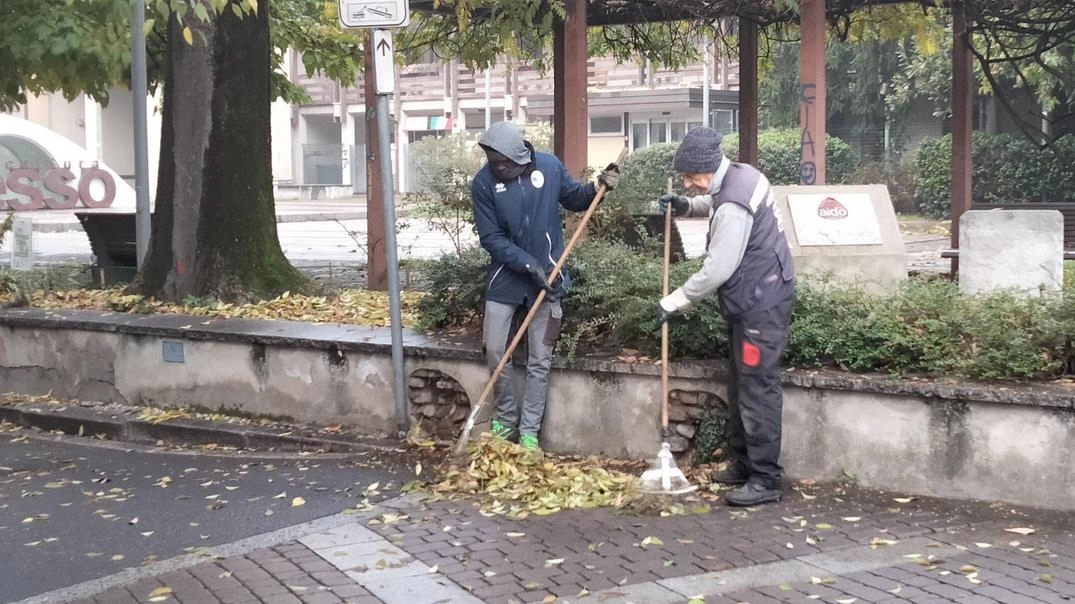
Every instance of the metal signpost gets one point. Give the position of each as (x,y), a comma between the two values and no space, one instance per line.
(379,14)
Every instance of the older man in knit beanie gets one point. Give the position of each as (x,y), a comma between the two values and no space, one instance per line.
(749,266)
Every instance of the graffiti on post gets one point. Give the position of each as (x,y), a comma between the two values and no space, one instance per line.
(807,149)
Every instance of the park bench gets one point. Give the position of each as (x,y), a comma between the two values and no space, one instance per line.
(1066,209)
(113,243)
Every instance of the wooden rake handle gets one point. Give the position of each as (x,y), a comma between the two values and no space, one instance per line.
(550,280)
(664,326)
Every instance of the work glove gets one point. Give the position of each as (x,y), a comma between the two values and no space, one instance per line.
(537,276)
(610,177)
(681,206)
(663,316)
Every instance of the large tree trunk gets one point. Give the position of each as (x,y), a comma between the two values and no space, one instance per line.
(214,224)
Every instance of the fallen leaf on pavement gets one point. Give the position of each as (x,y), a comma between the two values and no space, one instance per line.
(1021,530)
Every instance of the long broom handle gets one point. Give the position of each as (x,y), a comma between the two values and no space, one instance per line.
(664,326)
(550,280)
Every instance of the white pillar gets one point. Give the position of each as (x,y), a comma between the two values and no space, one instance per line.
(92,127)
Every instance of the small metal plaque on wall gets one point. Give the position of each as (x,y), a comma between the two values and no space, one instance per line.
(172,351)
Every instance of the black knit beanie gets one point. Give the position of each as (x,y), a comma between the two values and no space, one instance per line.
(699,153)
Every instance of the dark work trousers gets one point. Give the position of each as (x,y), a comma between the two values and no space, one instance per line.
(755,398)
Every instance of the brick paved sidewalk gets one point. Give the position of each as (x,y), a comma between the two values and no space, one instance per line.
(832,545)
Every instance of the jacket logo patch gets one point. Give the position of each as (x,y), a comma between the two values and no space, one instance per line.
(500,187)
(537,179)
(831,209)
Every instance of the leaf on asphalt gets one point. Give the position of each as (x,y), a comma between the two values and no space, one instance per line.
(685,541)
(967,569)
(851,518)
(984,545)
(548,599)
(1021,530)
(895,590)
(118,557)
(823,526)
(489,573)
(807,497)
(903,499)
(583,592)
(280,496)
(554,562)
(651,541)
(846,600)
(515,535)
(696,600)
(133,521)
(373,487)
(811,541)
(160,594)
(813,596)
(786,587)
(418,469)
(1044,578)
(296,502)
(433,569)
(532,586)
(94,554)
(148,533)
(224,575)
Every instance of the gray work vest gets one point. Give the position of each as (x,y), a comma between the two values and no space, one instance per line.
(766,275)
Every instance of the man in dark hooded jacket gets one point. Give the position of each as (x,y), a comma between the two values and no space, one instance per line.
(517,197)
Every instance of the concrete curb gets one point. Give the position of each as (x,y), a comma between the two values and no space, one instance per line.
(63,226)
(78,421)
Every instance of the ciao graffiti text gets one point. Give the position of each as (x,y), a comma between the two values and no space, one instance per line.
(27,189)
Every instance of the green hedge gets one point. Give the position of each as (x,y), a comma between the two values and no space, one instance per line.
(925,327)
(1004,169)
(779,153)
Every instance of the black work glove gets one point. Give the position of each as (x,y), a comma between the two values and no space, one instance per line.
(610,176)
(537,276)
(663,315)
(681,206)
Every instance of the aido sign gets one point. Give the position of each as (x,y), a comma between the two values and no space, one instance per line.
(834,218)
(28,189)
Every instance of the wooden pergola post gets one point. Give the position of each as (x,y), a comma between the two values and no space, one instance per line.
(962,109)
(748,91)
(570,107)
(812,92)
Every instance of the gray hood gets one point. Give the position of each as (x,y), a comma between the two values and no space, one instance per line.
(506,138)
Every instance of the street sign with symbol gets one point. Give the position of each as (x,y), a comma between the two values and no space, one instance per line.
(374,13)
(384,64)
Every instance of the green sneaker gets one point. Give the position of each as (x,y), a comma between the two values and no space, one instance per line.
(500,431)
(530,443)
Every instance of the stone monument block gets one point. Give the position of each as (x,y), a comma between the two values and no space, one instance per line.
(1011,249)
(846,232)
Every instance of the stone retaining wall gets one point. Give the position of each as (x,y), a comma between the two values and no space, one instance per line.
(1006,442)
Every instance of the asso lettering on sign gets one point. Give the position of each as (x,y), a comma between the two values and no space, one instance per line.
(54,190)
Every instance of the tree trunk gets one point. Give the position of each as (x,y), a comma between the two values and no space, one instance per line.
(214,222)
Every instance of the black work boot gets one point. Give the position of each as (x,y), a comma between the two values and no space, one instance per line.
(733,475)
(753,493)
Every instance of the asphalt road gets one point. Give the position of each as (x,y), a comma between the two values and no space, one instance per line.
(71,511)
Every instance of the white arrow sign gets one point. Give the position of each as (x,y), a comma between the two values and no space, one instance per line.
(374,13)
(384,63)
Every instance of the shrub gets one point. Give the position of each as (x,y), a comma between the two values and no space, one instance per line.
(445,166)
(1004,169)
(924,327)
(456,286)
(779,153)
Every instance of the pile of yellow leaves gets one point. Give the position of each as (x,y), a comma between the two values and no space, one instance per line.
(353,307)
(510,481)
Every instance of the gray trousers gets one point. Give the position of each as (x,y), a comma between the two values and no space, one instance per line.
(541,339)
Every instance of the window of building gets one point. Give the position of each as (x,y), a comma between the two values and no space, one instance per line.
(606,125)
